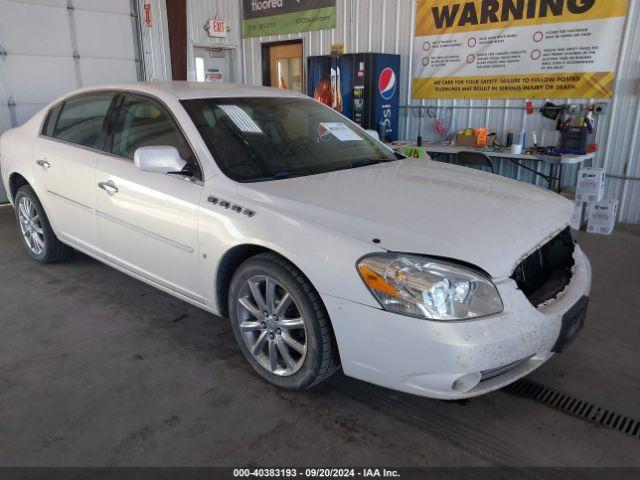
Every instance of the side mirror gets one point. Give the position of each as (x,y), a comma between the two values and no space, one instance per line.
(161,159)
(373,133)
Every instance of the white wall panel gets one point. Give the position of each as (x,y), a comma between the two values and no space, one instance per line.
(49,48)
(95,71)
(34,29)
(47,3)
(39,36)
(3,91)
(93,27)
(25,111)
(5,120)
(109,6)
(35,79)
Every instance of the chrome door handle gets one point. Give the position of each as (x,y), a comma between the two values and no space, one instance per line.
(108,187)
(43,163)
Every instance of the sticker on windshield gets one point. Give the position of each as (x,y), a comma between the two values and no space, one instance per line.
(338,130)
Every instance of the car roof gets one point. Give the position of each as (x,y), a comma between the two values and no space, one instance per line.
(193,90)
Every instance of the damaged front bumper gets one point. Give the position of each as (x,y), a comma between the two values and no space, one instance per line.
(453,360)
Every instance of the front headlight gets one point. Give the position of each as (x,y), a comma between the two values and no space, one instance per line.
(424,287)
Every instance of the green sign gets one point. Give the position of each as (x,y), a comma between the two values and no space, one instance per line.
(275,17)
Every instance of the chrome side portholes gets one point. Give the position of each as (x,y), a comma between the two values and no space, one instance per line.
(228,205)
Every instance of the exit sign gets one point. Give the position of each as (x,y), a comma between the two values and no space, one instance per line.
(217,28)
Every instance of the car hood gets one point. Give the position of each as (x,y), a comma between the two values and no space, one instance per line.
(425,207)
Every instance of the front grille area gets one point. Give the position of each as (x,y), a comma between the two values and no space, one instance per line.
(547,271)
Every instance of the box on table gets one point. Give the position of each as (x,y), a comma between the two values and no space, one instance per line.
(602,216)
(590,186)
(471,140)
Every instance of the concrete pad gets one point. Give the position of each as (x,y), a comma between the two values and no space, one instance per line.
(99,369)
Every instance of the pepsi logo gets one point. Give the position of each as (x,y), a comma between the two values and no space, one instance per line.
(387,83)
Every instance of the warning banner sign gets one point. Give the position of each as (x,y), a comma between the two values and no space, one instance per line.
(517,48)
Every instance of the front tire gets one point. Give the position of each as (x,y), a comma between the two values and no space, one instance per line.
(280,323)
(36,233)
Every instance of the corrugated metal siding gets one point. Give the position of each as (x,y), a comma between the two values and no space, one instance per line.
(620,136)
(198,13)
(387,26)
(155,41)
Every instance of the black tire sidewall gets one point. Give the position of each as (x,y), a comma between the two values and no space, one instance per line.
(312,363)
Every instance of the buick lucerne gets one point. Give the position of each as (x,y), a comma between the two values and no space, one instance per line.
(325,248)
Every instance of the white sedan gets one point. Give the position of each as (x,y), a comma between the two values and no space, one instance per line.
(323,247)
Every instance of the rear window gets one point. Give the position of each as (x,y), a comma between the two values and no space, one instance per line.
(81,120)
(50,121)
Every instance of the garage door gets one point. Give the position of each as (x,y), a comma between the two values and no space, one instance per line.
(49,47)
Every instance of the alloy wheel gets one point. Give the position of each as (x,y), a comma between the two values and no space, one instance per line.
(272,326)
(31,226)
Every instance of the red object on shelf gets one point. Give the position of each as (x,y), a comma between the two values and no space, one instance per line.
(529,106)
(593,148)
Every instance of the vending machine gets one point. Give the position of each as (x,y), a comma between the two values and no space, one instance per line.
(364,87)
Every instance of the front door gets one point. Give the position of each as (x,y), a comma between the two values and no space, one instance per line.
(148,222)
(65,158)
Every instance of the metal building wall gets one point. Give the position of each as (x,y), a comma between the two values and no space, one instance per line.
(198,12)
(155,38)
(50,47)
(387,26)
(155,41)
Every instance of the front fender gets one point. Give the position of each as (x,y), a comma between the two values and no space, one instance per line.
(325,256)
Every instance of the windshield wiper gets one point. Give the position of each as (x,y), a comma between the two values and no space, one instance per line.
(275,176)
(363,163)
(291,174)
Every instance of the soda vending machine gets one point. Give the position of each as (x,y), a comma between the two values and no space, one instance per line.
(364,87)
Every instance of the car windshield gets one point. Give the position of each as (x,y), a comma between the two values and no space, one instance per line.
(269,138)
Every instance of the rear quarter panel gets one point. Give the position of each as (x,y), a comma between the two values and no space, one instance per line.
(16,152)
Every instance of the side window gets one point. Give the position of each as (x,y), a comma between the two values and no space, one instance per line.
(144,123)
(50,121)
(81,120)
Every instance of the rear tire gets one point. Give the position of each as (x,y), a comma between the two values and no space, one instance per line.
(272,329)
(35,230)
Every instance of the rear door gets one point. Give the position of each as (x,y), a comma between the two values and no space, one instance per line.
(65,158)
(148,222)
